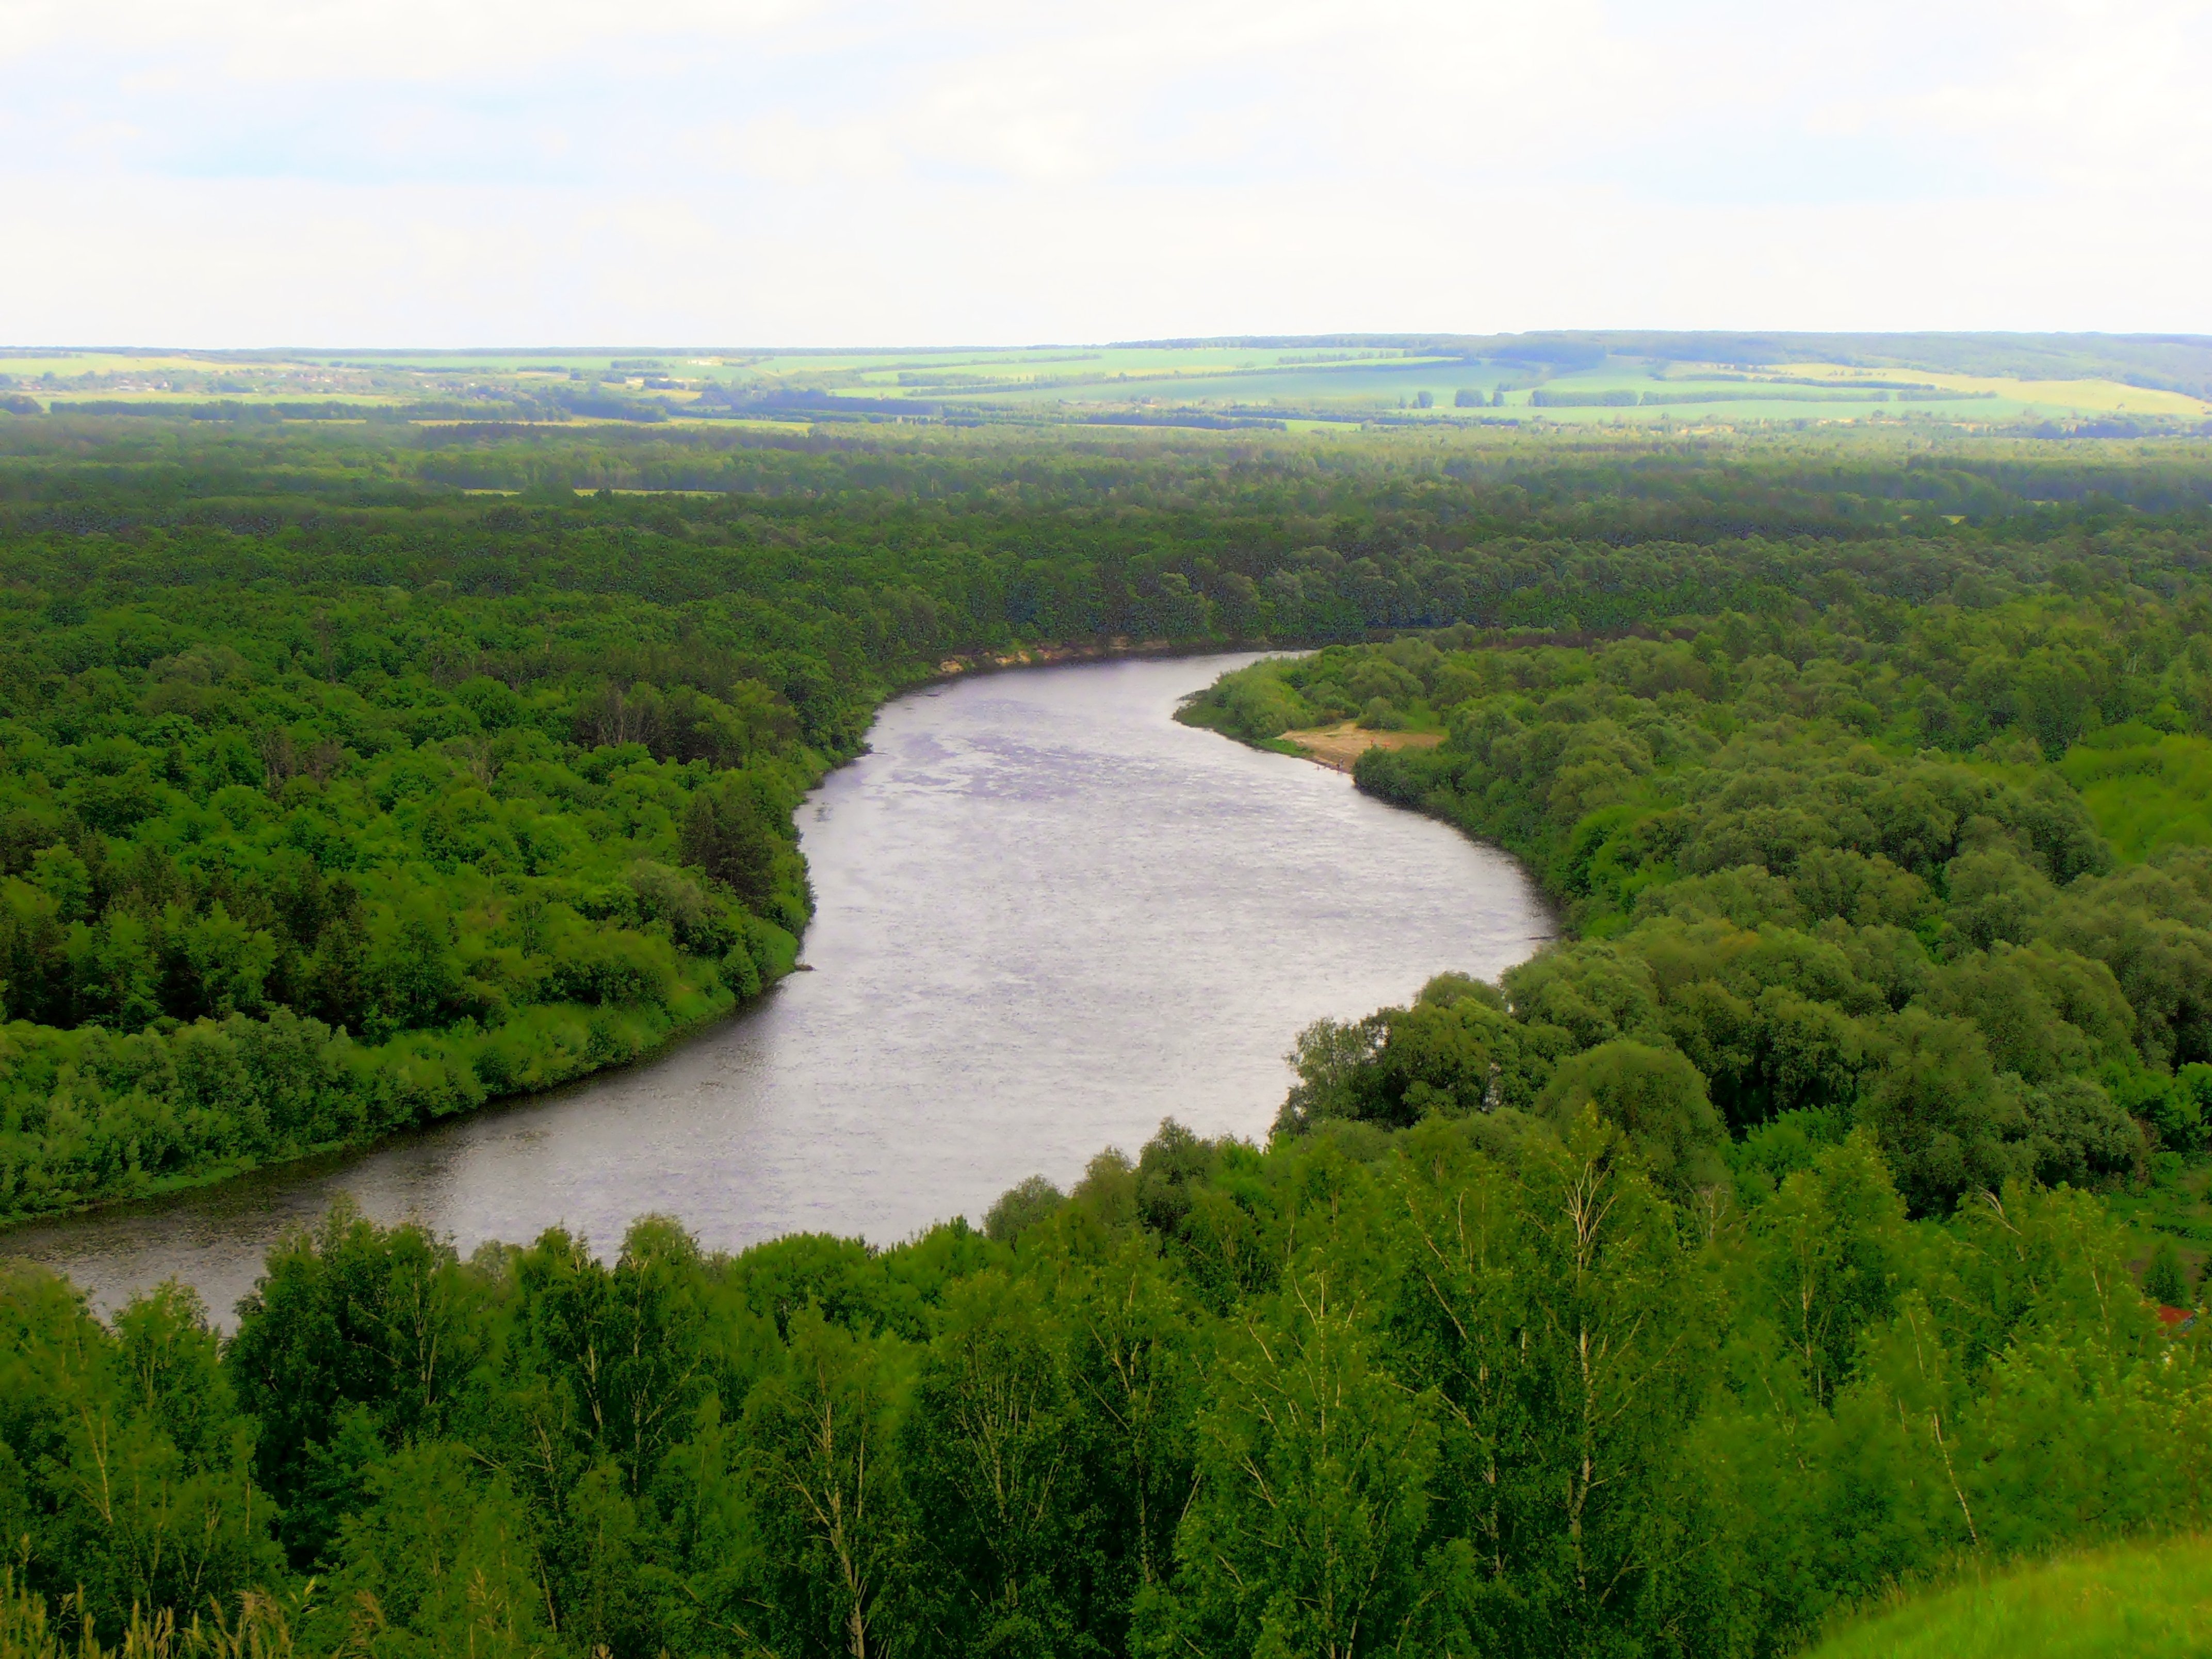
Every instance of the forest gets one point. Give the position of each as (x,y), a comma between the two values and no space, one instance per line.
(335,799)
(1823,878)
(1760,1250)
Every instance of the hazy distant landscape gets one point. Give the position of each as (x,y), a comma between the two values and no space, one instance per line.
(2103,385)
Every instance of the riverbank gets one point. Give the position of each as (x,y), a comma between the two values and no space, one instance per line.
(1119,648)
(401,1087)
(1337,745)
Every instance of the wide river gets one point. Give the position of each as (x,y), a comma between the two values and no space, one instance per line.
(1047,917)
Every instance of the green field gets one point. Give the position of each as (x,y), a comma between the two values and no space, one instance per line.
(1685,384)
(2137,1602)
(1364,384)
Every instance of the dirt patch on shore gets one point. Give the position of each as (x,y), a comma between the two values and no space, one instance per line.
(1338,746)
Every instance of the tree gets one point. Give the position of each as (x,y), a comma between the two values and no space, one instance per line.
(1309,1533)
(729,834)
(1021,1207)
(1655,1097)
(822,1471)
(993,1474)
(2163,1278)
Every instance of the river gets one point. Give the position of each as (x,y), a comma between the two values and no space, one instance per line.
(1047,917)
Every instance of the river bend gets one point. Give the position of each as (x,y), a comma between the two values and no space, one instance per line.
(1047,917)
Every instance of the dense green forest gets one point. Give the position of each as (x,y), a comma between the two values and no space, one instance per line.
(1473,1386)
(1827,871)
(334,798)
(1745,1257)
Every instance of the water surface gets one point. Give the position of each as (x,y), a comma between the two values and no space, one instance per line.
(1047,917)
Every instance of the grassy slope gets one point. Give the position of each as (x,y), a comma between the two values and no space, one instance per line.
(2138,1602)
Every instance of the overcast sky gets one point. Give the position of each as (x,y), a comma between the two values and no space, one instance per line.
(941,172)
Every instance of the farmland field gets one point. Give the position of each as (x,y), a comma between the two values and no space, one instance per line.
(1670,382)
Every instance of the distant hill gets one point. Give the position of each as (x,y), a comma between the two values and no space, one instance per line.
(2045,385)
(2166,362)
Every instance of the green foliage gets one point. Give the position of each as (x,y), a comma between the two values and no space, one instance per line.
(1719,1270)
(1654,1095)
(1821,859)
(1022,1208)
(2163,1278)
(1449,1390)
(127,1481)
(277,871)
(2147,788)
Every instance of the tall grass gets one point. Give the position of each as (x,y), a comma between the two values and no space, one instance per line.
(2132,1601)
(29,1629)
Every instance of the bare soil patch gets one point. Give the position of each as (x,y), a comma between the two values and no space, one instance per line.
(1338,746)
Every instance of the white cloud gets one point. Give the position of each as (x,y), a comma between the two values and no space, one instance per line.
(427,171)
(2107,96)
(362,40)
(782,149)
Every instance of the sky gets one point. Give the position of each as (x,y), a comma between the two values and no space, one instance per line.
(457,172)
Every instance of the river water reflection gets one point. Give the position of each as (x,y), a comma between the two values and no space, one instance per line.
(1047,917)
